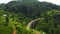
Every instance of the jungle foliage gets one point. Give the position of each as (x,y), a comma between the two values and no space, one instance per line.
(19,13)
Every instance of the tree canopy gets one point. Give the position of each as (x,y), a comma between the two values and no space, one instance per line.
(20,12)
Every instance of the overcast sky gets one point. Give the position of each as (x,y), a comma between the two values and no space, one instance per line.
(52,1)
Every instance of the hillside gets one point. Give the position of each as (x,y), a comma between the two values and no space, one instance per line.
(15,16)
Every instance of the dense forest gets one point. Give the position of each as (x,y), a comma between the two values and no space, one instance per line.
(16,15)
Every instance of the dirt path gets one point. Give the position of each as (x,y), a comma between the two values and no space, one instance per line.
(14,31)
(32,22)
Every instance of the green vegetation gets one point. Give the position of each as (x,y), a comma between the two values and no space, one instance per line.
(17,14)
